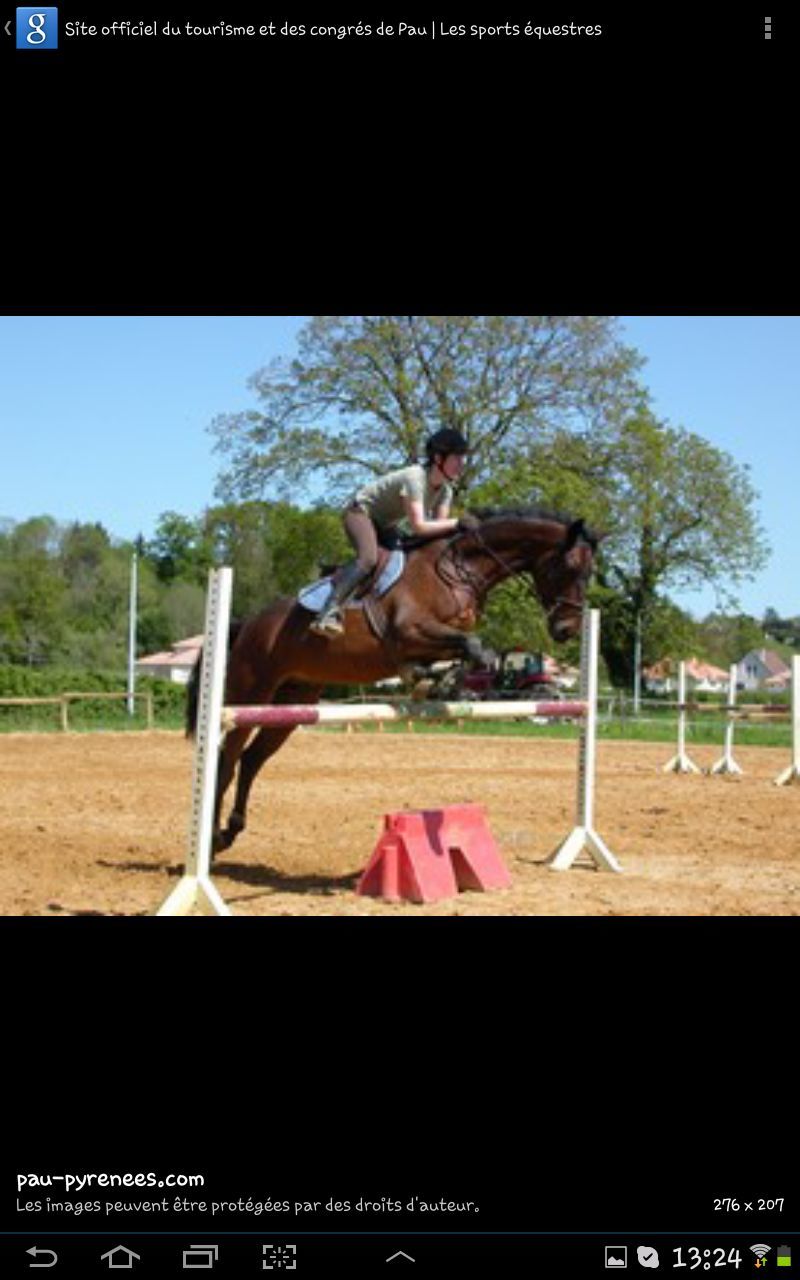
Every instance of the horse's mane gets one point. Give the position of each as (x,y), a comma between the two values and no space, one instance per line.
(409,542)
(536,513)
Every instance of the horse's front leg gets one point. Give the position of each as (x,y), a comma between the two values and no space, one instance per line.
(264,745)
(441,641)
(229,754)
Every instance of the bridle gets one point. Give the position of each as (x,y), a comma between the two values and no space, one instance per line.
(469,577)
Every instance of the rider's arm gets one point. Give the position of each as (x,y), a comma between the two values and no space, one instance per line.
(415,514)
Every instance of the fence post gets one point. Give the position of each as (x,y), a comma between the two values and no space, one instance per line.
(792,774)
(64,712)
(680,762)
(726,762)
(583,835)
(195,887)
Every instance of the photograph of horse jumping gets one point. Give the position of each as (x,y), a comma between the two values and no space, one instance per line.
(428,616)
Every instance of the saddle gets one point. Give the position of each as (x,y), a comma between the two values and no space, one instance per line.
(387,572)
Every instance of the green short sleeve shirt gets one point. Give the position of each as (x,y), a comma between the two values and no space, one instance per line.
(383,499)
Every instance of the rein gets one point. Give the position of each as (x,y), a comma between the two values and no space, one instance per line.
(470,578)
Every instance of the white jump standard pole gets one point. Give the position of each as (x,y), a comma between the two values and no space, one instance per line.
(792,774)
(195,888)
(680,763)
(726,762)
(583,836)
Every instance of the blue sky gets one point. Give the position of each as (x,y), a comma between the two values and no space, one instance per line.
(102,418)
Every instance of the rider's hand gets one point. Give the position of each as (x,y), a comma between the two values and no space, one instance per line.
(467,523)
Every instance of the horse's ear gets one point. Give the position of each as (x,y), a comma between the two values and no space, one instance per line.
(575,531)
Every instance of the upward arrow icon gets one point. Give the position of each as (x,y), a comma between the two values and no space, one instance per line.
(400,1254)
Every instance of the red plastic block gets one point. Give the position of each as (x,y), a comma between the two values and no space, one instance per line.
(475,856)
(428,854)
(405,866)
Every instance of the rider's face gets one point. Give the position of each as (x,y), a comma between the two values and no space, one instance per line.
(451,465)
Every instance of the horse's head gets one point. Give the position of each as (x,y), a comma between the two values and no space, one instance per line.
(562,576)
(557,551)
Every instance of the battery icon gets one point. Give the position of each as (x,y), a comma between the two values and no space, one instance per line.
(784,1255)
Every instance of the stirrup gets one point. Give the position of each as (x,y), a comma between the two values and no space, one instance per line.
(328,624)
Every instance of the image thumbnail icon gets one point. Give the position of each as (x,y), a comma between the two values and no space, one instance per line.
(37,28)
(616,1256)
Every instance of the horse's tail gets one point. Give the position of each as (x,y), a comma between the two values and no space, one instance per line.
(193,687)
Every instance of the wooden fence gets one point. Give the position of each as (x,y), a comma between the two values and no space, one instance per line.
(62,700)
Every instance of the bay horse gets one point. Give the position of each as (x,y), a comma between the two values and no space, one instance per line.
(427,616)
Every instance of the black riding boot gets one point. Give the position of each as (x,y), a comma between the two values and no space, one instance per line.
(329,620)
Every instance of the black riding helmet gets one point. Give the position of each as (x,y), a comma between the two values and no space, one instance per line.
(448,440)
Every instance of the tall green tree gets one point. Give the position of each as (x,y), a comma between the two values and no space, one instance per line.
(365,391)
(32,592)
(678,512)
(180,549)
(726,638)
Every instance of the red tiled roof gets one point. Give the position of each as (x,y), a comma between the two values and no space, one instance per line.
(695,669)
(705,670)
(184,653)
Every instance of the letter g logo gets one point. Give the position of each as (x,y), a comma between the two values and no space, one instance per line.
(37,35)
(37,28)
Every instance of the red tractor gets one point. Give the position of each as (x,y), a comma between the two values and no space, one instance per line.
(531,680)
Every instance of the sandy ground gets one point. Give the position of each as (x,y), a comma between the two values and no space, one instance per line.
(96,825)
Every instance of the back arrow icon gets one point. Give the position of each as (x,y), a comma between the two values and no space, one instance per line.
(34,1251)
(8,33)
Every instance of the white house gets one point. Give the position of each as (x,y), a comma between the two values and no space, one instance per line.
(701,677)
(175,664)
(758,666)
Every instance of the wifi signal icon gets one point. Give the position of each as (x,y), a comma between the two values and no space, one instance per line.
(760,1250)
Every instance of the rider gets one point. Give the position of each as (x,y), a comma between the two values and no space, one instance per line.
(420,494)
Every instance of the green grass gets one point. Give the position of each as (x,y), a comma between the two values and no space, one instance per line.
(709,731)
(662,730)
(83,719)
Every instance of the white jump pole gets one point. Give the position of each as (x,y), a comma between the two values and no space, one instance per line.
(726,762)
(680,763)
(583,836)
(195,888)
(792,774)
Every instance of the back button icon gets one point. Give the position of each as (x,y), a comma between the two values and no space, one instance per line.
(37,1252)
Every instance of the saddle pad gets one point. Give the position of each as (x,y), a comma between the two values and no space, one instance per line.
(317,594)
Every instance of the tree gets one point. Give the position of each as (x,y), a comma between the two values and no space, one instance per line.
(678,513)
(726,639)
(302,542)
(669,632)
(783,630)
(239,535)
(365,391)
(179,549)
(32,592)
